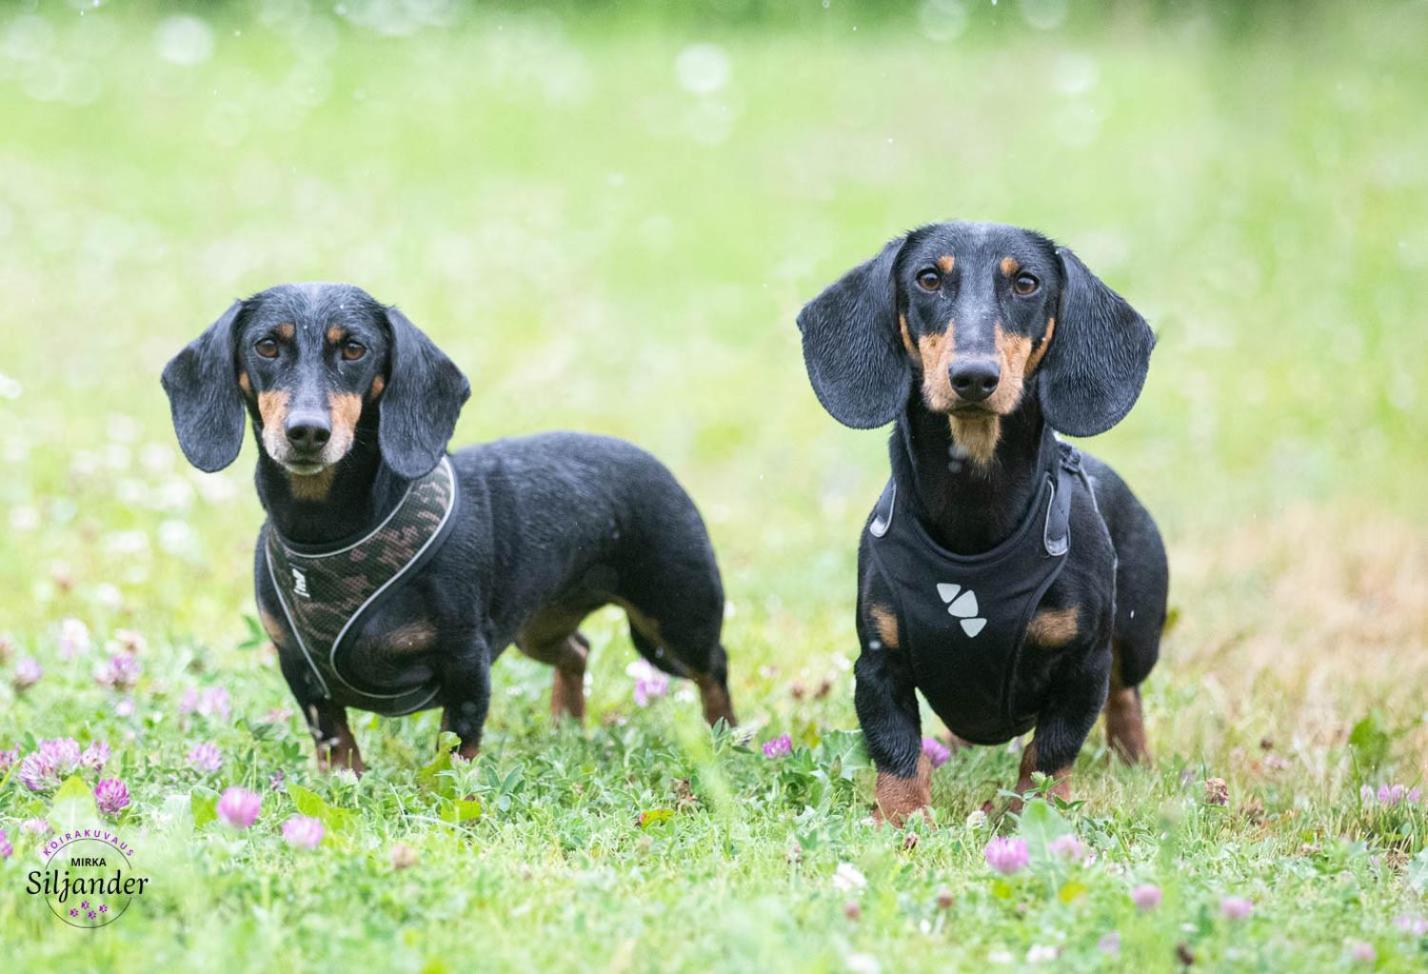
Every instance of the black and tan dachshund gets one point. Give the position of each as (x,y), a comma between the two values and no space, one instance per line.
(1014,581)
(390,575)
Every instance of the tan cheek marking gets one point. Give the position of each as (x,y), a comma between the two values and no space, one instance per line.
(378,384)
(936,352)
(1053,627)
(273,410)
(273,407)
(286,332)
(1038,353)
(885,622)
(945,263)
(906,337)
(335,334)
(245,384)
(413,637)
(1013,351)
(346,409)
(1009,266)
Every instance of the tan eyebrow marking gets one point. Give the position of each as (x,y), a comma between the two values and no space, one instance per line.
(945,263)
(1009,266)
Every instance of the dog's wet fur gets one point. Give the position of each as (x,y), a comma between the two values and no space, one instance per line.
(349,403)
(973,338)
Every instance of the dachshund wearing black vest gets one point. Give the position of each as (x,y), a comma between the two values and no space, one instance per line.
(390,575)
(1014,581)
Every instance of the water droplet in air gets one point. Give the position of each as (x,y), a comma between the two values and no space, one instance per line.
(184,40)
(702,68)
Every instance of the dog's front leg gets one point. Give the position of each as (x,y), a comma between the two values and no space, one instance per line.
(336,747)
(466,694)
(886,702)
(1065,721)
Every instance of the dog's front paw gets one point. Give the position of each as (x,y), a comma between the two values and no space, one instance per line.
(900,798)
(339,758)
(900,818)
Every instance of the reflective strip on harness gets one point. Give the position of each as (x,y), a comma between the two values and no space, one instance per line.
(325,592)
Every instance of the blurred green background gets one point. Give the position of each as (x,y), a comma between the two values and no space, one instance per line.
(610,214)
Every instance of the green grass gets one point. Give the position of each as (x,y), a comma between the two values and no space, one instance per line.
(603,249)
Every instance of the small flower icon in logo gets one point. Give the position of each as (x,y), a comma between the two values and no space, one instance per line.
(963,605)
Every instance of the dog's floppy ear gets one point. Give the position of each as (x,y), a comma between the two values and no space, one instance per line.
(1099,353)
(423,396)
(851,349)
(202,384)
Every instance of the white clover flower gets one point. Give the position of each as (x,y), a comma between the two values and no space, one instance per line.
(847,878)
(863,964)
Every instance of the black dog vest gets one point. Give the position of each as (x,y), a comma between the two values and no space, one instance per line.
(962,619)
(326,591)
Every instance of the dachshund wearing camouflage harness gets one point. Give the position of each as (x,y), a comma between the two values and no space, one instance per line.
(1013,580)
(390,574)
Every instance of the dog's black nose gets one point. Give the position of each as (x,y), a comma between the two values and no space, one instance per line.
(974,379)
(308,432)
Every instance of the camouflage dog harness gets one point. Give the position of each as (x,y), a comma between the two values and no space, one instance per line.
(327,590)
(963,619)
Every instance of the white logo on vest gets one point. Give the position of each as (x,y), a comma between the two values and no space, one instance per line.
(963,605)
(300,584)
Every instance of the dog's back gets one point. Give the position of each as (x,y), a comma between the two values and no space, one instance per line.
(568,522)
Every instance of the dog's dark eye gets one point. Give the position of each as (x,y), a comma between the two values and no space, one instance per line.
(1025,285)
(267,347)
(929,280)
(352,351)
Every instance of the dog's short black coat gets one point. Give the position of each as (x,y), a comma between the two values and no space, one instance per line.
(973,338)
(350,402)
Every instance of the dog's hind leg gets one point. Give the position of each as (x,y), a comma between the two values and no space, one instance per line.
(714,689)
(688,650)
(1141,581)
(568,656)
(566,650)
(1125,723)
